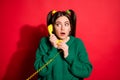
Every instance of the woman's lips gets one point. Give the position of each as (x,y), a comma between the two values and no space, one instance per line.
(62,33)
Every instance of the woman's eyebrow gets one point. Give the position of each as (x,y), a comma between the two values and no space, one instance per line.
(66,21)
(57,22)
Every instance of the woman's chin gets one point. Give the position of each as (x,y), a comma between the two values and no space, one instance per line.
(62,37)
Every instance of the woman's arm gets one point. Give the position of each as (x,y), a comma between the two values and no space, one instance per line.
(80,66)
(43,54)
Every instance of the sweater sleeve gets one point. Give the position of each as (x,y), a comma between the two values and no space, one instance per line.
(43,55)
(80,66)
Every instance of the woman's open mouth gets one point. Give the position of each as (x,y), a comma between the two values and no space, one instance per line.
(62,33)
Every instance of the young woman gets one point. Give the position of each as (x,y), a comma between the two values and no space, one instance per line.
(72,62)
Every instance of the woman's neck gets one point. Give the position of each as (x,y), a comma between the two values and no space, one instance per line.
(66,39)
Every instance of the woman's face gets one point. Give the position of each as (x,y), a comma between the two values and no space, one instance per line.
(62,27)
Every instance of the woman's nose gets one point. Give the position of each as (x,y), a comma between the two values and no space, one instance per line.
(62,27)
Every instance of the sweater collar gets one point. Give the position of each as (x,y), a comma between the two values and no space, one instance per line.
(70,40)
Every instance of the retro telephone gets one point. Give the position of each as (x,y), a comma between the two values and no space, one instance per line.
(50,30)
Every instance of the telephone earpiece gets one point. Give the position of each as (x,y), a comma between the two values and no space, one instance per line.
(50,30)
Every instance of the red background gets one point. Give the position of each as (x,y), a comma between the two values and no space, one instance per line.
(23,23)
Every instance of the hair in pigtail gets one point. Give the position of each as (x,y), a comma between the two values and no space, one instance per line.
(73,21)
(49,18)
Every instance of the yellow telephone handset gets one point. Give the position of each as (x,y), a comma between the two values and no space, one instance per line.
(50,30)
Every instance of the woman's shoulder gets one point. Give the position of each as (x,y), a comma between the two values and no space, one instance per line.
(44,39)
(79,43)
(76,39)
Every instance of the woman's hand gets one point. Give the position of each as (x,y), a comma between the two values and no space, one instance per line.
(62,45)
(53,39)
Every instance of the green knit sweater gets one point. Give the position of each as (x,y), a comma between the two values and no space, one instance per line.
(74,67)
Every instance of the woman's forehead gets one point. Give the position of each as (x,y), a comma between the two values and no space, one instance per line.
(62,19)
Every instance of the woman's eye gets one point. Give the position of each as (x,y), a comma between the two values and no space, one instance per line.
(58,25)
(66,24)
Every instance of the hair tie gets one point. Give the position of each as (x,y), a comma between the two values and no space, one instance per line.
(53,12)
(68,12)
